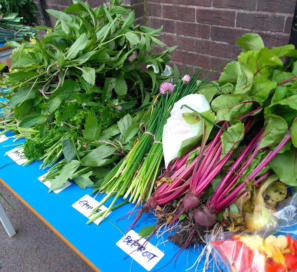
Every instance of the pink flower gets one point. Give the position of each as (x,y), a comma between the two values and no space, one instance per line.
(186,79)
(166,87)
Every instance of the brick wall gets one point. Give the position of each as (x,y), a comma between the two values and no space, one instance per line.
(206,30)
(62,4)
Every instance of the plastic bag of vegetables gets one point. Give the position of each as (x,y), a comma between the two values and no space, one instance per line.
(244,253)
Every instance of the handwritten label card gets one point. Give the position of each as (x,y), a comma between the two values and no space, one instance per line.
(86,205)
(17,155)
(3,138)
(47,183)
(143,252)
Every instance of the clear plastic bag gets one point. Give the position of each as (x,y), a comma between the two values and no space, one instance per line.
(261,251)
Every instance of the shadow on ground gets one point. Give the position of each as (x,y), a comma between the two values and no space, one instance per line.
(35,248)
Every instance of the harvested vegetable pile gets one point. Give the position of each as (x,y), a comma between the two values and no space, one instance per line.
(245,159)
(79,95)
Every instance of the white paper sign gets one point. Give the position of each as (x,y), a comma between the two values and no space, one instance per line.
(47,183)
(17,155)
(143,252)
(86,205)
(3,138)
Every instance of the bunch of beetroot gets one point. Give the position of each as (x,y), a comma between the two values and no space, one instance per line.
(255,107)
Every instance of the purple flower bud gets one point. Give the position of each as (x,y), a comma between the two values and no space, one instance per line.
(186,79)
(119,108)
(166,87)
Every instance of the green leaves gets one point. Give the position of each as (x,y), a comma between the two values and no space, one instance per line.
(121,87)
(191,117)
(132,38)
(275,129)
(92,127)
(22,95)
(99,156)
(32,120)
(250,41)
(89,75)
(84,180)
(60,15)
(231,107)
(239,75)
(125,123)
(65,174)
(232,137)
(79,45)
(294,132)
(285,166)
(69,151)
(128,21)
(146,231)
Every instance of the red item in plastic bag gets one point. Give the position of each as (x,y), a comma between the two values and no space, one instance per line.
(292,244)
(291,261)
(239,256)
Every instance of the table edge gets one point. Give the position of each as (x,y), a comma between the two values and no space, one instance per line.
(50,226)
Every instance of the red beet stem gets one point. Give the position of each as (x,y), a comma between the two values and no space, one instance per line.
(230,198)
(218,193)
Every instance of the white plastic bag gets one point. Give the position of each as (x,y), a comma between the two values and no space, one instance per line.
(177,130)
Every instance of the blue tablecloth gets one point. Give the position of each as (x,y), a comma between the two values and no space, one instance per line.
(96,243)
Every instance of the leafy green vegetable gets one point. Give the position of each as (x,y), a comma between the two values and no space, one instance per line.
(232,137)
(66,174)
(98,157)
(68,150)
(81,90)
(250,41)
(146,231)
(294,132)
(285,166)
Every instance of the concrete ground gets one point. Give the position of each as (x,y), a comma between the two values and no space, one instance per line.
(35,248)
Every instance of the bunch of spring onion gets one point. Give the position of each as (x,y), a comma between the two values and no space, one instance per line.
(135,175)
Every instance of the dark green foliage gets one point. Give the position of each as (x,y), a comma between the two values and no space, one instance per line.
(26,9)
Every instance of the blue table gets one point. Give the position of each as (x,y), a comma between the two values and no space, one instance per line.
(94,244)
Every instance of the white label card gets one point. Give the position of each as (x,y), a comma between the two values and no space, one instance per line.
(143,252)
(86,205)
(17,155)
(3,138)
(47,183)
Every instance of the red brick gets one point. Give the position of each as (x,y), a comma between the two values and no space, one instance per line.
(154,9)
(235,4)
(279,6)
(134,1)
(218,64)
(168,26)
(272,39)
(186,43)
(179,13)
(204,3)
(169,39)
(215,48)
(258,21)
(191,59)
(215,17)
(50,3)
(210,75)
(139,10)
(193,30)
(288,25)
(93,3)
(229,35)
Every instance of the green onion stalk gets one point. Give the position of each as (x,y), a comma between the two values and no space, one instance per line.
(134,176)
